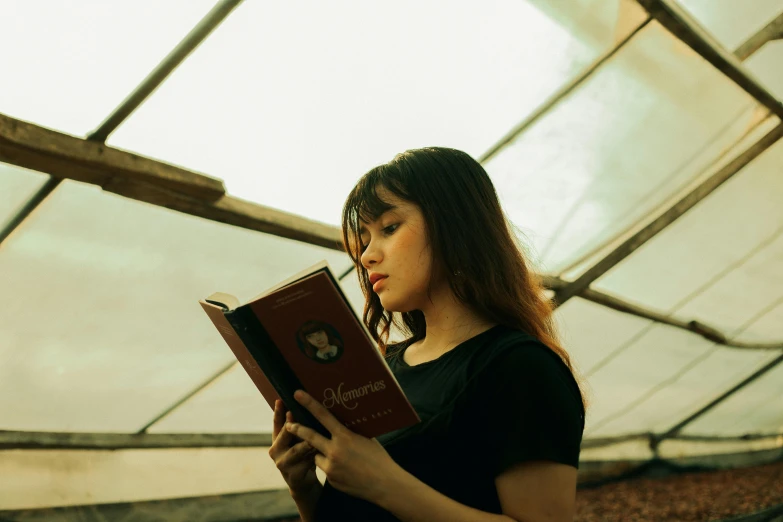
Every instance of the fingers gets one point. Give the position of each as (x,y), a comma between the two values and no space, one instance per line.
(296,454)
(320,412)
(282,439)
(311,436)
(278,419)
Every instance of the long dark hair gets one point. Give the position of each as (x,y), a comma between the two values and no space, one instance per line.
(470,238)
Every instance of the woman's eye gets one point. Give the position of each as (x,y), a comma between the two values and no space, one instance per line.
(390,229)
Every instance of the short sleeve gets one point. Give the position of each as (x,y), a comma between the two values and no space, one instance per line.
(530,407)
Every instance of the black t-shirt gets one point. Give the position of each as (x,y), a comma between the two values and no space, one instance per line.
(498,399)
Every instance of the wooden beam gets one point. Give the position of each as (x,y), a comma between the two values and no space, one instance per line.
(772,31)
(684,27)
(125,441)
(271,505)
(233,211)
(62,156)
(668,217)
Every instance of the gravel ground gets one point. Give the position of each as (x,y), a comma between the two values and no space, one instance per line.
(688,497)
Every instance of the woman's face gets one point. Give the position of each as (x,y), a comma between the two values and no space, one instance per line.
(318,339)
(396,247)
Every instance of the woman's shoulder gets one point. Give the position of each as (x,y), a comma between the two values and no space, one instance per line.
(516,356)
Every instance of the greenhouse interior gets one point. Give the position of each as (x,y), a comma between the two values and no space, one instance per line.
(152,153)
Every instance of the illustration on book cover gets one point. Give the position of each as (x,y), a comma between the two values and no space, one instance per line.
(320,341)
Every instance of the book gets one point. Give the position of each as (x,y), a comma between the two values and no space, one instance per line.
(303,334)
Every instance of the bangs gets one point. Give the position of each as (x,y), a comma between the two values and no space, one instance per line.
(365,205)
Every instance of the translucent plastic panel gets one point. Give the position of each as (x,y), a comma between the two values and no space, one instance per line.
(701,372)
(685,391)
(765,64)
(35,479)
(16,187)
(721,261)
(231,404)
(103,330)
(757,408)
(648,121)
(591,332)
(290,104)
(657,355)
(74,62)
(730,21)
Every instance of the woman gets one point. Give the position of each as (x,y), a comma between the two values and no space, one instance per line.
(502,414)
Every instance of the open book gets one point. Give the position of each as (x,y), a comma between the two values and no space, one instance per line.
(303,334)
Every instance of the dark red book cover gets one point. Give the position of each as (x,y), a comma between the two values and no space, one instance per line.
(332,355)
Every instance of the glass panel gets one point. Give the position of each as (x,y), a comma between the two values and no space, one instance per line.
(718,262)
(658,354)
(591,332)
(647,122)
(732,22)
(765,65)
(17,186)
(104,330)
(315,97)
(757,408)
(684,391)
(684,387)
(36,479)
(74,62)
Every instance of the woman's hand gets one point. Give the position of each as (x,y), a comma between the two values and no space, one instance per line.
(354,464)
(296,463)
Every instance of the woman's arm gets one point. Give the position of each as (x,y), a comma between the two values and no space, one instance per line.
(306,501)
(411,500)
(539,491)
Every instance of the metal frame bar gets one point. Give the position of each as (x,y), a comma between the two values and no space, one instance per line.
(684,27)
(271,505)
(772,31)
(129,441)
(125,441)
(186,46)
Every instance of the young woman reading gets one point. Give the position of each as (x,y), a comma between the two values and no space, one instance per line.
(502,413)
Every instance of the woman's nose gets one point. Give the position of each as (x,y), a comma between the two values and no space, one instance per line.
(370,256)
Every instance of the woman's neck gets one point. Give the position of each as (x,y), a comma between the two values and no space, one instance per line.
(449,323)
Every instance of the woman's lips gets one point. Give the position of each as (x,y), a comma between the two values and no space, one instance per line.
(377,285)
